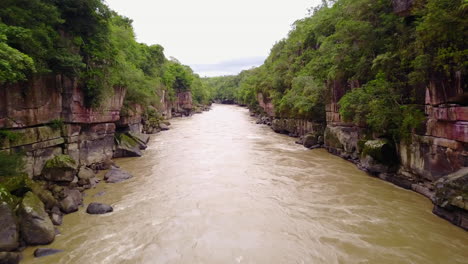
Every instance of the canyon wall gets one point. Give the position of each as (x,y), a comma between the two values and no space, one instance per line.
(49,117)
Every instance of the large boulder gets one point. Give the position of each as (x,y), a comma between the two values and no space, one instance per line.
(39,189)
(87,177)
(61,168)
(99,208)
(8,228)
(115,175)
(126,146)
(10,257)
(452,190)
(378,156)
(35,224)
(73,199)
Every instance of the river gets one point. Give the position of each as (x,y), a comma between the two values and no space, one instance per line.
(217,188)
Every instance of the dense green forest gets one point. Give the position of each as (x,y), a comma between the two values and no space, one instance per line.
(87,40)
(383,60)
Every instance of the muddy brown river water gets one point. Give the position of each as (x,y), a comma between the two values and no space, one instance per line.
(217,188)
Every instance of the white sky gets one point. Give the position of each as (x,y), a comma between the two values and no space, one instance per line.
(214,37)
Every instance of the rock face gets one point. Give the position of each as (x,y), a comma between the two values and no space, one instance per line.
(183,103)
(115,175)
(99,208)
(402,7)
(8,228)
(266,104)
(451,198)
(441,150)
(50,115)
(35,225)
(296,127)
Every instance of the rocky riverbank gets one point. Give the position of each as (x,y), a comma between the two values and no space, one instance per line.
(63,144)
(432,162)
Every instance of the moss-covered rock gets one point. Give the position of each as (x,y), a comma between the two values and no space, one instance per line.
(381,150)
(40,190)
(35,224)
(332,140)
(452,190)
(310,140)
(126,146)
(61,168)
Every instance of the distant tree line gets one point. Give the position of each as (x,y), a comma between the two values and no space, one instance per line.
(87,40)
(383,61)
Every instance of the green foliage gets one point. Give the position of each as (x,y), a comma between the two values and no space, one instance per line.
(11,164)
(57,124)
(84,39)
(306,99)
(60,161)
(378,105)
(380,60)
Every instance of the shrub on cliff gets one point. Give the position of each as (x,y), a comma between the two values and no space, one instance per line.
(378,105)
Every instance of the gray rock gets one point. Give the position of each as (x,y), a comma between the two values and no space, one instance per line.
(10,257)
(61,168)
(8,228)
(115,175)
(86,177)
(127,146)
(42,252)
(73,199)
(309,140)
(57,219)
(35,225)
(163,126)
(99,208)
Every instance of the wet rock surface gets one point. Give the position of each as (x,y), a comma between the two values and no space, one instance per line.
(10,257)
(115,175)
(99,208)
(35,224)
(73,199)
(61,168)
(42,252)
(8,228)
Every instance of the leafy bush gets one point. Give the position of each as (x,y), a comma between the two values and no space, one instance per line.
(11,164)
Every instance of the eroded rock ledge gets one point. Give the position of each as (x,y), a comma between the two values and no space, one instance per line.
(64,144)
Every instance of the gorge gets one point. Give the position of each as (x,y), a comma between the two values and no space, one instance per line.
(89,116)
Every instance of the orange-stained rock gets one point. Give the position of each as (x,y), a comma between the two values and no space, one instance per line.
(30,103)
(266,104)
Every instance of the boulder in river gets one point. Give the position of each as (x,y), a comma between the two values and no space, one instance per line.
(99,208)
(42,252)
(142,139)
(86,177)
(56,216)
(10,257)
(73,199)
(61,168)
(8,228)
(35,224)
(163,126)
(115,175)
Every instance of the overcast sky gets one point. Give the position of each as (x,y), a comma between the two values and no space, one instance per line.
(214,37)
